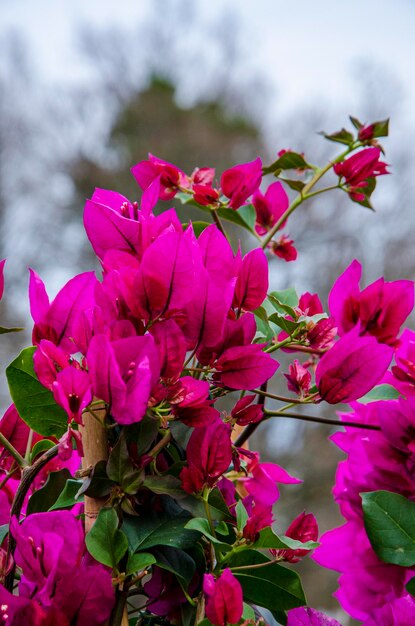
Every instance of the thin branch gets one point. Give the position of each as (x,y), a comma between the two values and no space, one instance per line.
(321,420)
(12,451)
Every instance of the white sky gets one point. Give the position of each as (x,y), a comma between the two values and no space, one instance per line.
(308,48)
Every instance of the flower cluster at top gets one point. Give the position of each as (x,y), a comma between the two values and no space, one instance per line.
(171,353)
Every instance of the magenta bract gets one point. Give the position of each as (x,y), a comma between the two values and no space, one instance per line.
(224,601)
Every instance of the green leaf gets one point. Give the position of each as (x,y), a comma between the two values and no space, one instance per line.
(217,505)
(43,499)
(381,392)
(34,403)
(97,485)
(105,542)
(4,529)
(340,136)
(121,470)
(139,561)
(151,530)
(168,485)
(177,562)
(367,191)
(274,587)
(297,185)
(381,128)
(202,525)
(241,515)
(68,497)
(4,330)
(268,539)
(410,586)
(248,214)
(243,219)
(286,296)
(198,227)
(248,613)
(390,525)
(41,446)
(288,325)
(142,435)
(262,324)
(356,123)
(288,161)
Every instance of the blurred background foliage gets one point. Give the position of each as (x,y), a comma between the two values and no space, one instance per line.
(59,141)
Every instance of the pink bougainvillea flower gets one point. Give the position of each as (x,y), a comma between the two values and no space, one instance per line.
(205,195)
(260,516)
(72,390)
(304,528)
(252,283)
(299,379)
(270,207)
(224,598)
(171,347)
(304,616)
(48,360)
(191,404)
(57,573)
(171,177)
(16,431)
(352,367)
(361,166)
(244,412)
(209,454)
(164,592)
(123,373)
(237,332)
(398,612)
(283,248)
(381,308)
(245,367)
(241,181)
(2,277)
(403,377)
(57,320)
(203,176)
(309,304)
(263,479)
(65,450)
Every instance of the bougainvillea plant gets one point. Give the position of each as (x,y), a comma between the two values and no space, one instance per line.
(129,493)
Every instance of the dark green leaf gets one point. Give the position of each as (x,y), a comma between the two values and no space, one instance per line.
(147,531)
(297,185)
(105,542)
(169,485)
(68,497)
(340,136)
(4,331)
(4,529)
(41,446)
(381,392)
(390,525)
(410,587)
(287,161)
(142,435)
(367,191)
(381,128)
(121,470)
(139,561)
(34,403)
(97,485)
(177,562)
(274,587)
(44,498)
(217,505)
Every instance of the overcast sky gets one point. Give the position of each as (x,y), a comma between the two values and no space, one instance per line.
(308,48)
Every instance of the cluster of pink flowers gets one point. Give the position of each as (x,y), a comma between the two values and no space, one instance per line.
(173,326)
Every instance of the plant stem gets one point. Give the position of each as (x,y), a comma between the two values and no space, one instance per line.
(219,224)
(160,445)
(320,420)
(280,398)
(256,566)
(12,451)
(28,476)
